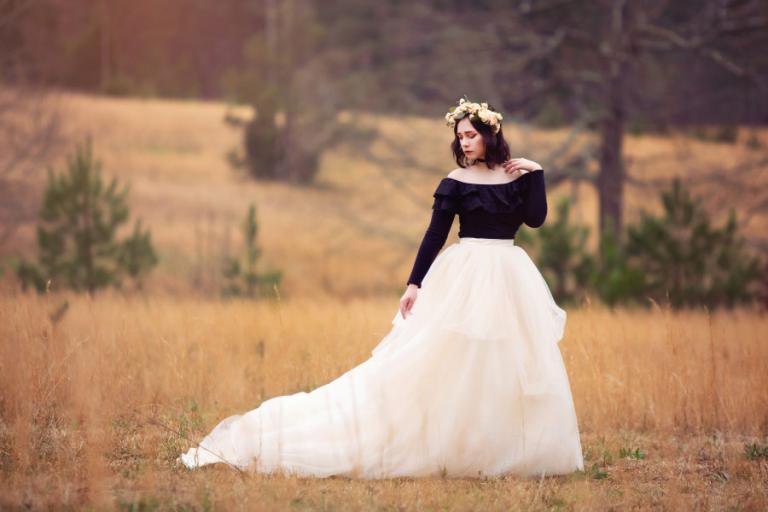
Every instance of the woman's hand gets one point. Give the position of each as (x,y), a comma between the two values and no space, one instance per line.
(408,299)
(520,164)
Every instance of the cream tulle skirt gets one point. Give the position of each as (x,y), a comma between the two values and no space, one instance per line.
(472,383)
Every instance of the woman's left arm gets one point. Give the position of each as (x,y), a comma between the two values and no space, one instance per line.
(535,206)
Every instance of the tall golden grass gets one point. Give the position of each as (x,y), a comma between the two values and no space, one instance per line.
(100,396)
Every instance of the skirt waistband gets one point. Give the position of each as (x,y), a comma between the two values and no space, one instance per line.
(486,241)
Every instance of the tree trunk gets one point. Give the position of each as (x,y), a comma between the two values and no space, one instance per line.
(105,50)
(610,180)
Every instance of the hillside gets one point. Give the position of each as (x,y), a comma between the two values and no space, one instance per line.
(354,233)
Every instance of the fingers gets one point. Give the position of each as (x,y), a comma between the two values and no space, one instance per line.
(517,164)
(405,307)
(513,164)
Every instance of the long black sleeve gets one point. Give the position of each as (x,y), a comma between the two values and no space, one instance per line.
(535,206)
(434,239)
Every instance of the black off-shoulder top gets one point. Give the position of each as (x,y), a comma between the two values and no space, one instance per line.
(485,211)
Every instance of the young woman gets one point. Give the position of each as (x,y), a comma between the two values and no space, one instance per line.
(470,380)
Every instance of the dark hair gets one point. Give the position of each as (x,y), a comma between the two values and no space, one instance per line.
(496,148)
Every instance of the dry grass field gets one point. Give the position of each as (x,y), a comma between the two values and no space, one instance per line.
(97,406)
(99,396)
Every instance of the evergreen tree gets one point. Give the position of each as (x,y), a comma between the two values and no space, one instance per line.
(243,278)
(614,279)
(562,255)
(687,261)
(76,234)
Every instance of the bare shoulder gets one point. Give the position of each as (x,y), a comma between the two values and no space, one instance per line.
(456,173)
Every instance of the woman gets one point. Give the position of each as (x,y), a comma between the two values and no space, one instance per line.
(469,381)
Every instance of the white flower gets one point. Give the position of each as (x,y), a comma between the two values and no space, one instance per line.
(481,110)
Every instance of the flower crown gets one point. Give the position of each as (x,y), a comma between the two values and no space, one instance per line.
(476,111)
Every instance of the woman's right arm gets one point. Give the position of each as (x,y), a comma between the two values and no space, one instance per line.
(433,241)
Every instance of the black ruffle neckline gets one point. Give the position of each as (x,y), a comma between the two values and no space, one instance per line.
(455,195)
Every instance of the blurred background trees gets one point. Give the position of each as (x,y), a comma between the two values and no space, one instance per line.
(607,67)
(678,258)
(610,65)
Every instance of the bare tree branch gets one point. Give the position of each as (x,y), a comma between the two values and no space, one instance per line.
(538,6)
(698,43)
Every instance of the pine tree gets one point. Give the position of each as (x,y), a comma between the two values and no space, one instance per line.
(562,255)
(76,234)
(614,278)
(688,262)
(243,278)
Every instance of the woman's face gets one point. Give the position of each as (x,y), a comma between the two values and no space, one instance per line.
(471,141)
